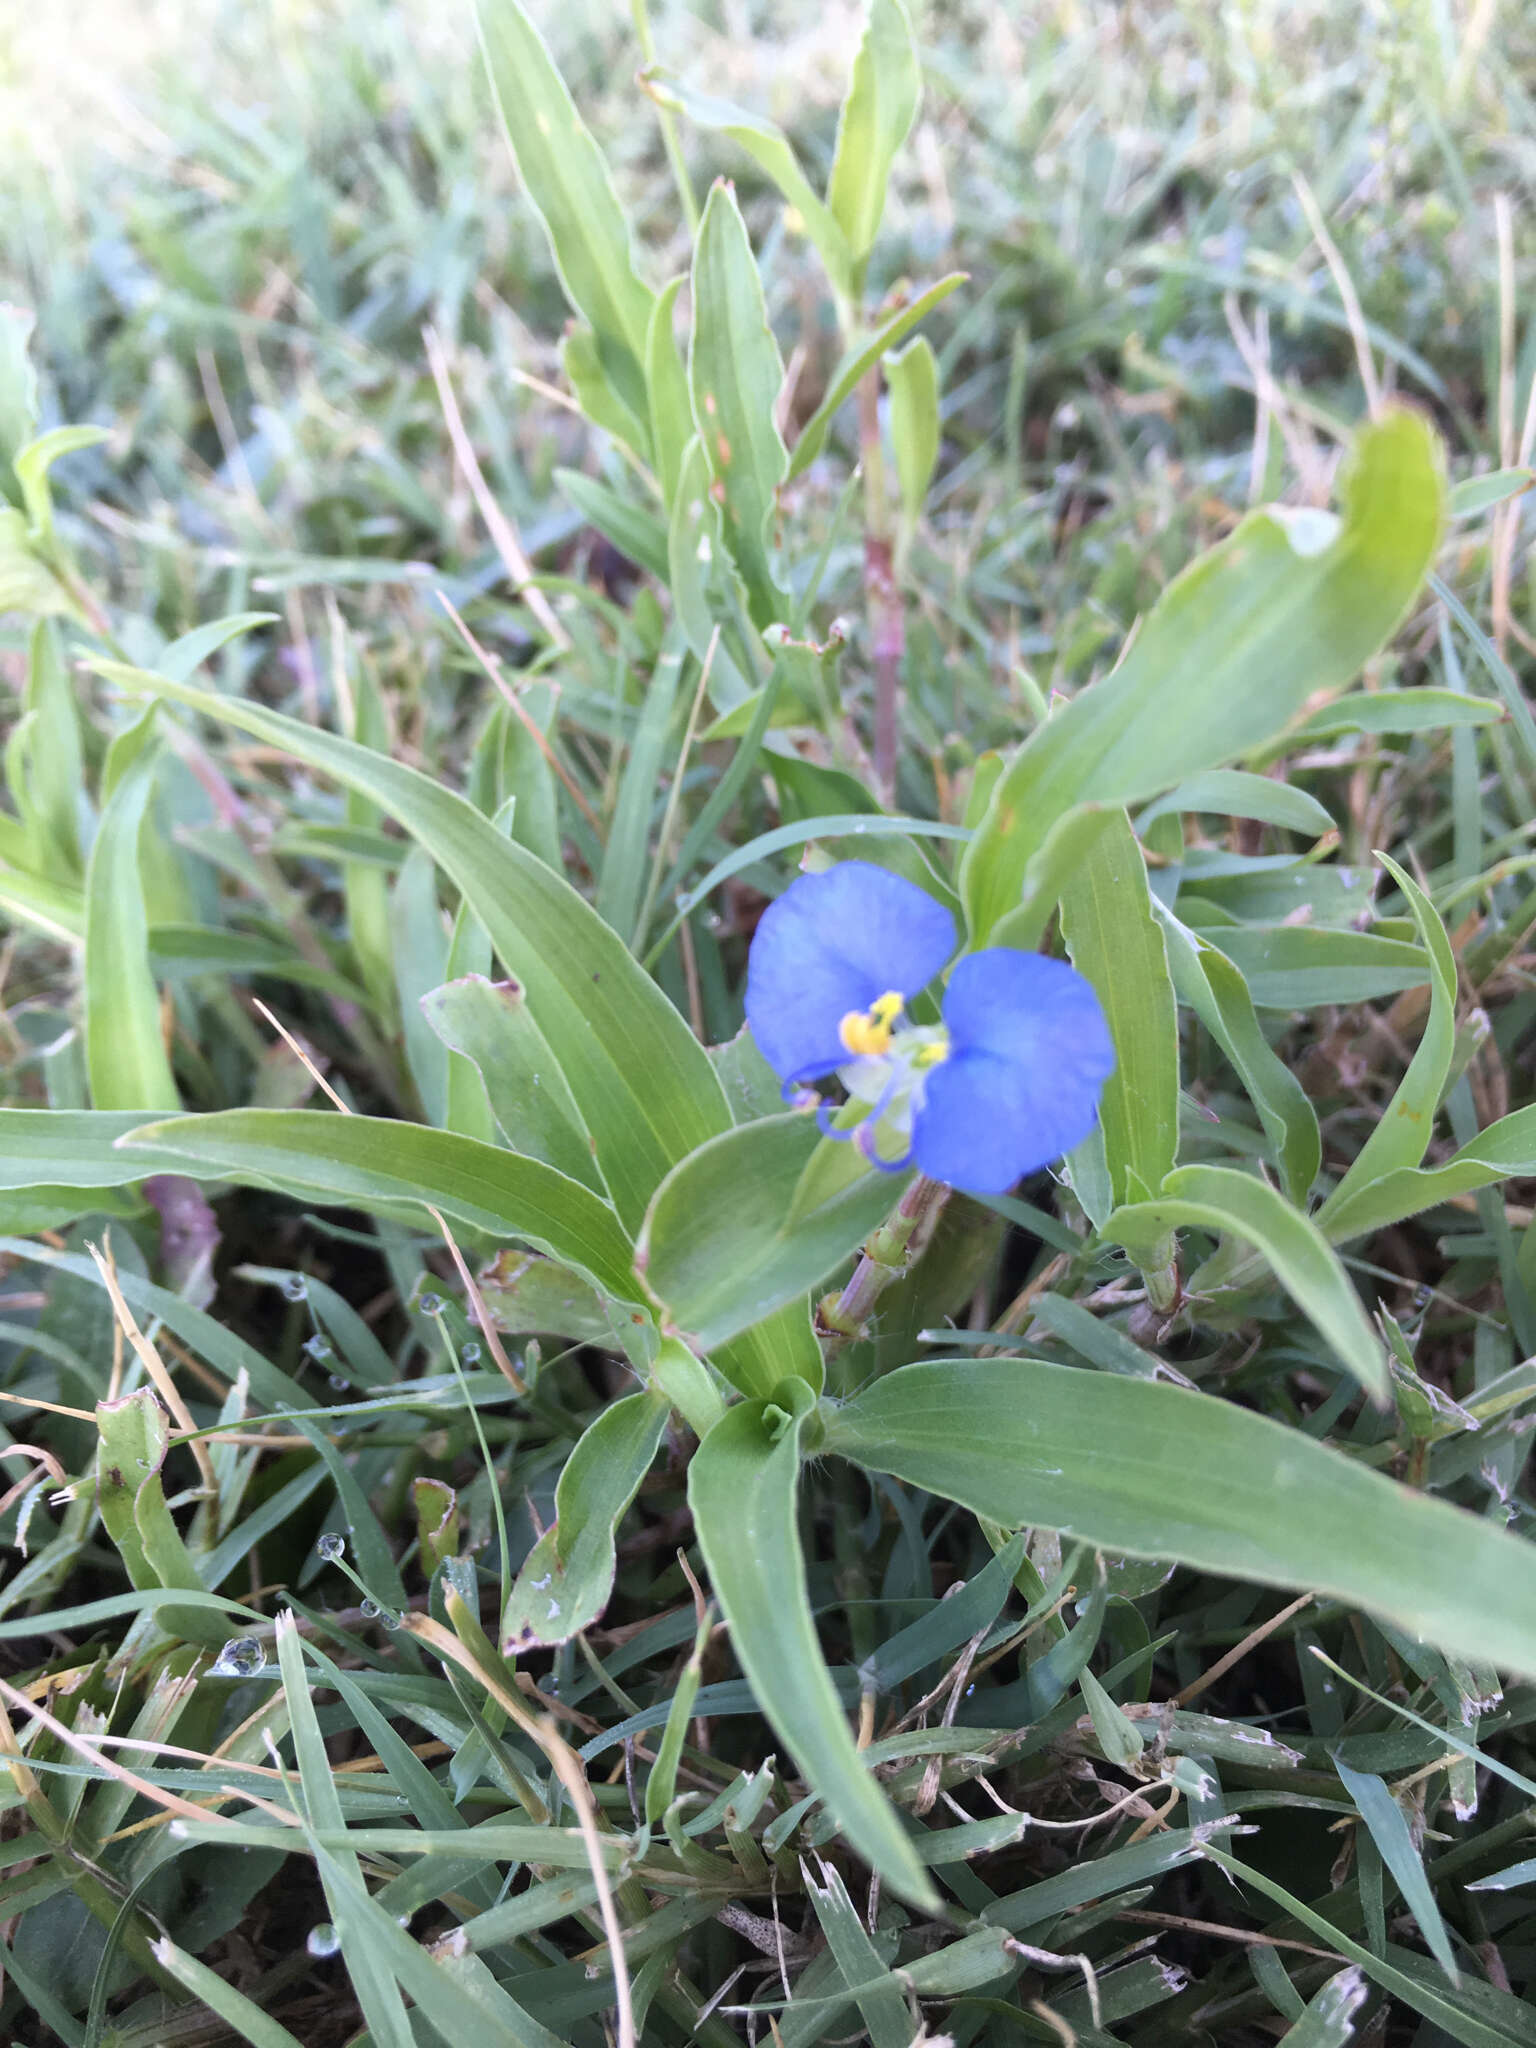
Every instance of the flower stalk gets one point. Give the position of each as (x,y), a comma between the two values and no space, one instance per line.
(889,1254)
(882,593)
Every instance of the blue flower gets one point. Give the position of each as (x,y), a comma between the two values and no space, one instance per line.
(1008,1082)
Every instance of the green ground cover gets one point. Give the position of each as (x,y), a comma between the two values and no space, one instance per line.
(506,1536)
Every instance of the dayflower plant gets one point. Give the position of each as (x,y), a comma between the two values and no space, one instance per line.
(1010,1079)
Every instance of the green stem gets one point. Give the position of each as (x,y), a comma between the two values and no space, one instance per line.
(888,1255)
(669,139)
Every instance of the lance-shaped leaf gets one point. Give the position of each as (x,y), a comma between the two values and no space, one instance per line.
(568,182)
(1400,1137)
(1150,1470)
(134,1437)
(124,1048)
(741,1487)
(1206,979)
(726,1241)
(698,565)
(1231,793)
(467,1108)
(1300,967)
(1219,1199)
(1391,711)
(18,392)
(73,1149)
(1476,494)
(1389,1830)
(582,361)
(644,1084)
(490,1024)
(419,942)
(1291,603)
(1067,845)
(912,375)
(32,465)
(567,1577)
(187,653)
(633,530)
(364,885)
(769,148)
(1505,1151)
(877,115)
(49,907)
(862,356)
(437,1520)
(666,379)
(54,767)
(735,372)
(527,1293)
(373,1163)
(1115,941)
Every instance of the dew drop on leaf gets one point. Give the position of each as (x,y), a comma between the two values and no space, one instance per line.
(241,1657)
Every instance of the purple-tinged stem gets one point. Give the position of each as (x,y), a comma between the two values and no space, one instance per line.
(882,594)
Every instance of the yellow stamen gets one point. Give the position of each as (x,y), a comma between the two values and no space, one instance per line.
(933,1054)
(868,1032)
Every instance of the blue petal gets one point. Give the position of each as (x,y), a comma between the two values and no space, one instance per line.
(1029,1055)
(832,943)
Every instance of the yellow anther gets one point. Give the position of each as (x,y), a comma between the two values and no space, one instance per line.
(868,1032)
(933,1054)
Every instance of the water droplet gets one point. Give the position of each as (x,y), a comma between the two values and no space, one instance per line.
(471,1353)
(390,1621)
(317,1347)
(339,1381)
(241,1657)
(431,1304)
(323,1940)
(296,1287)
(331,1546)
(371,1609)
